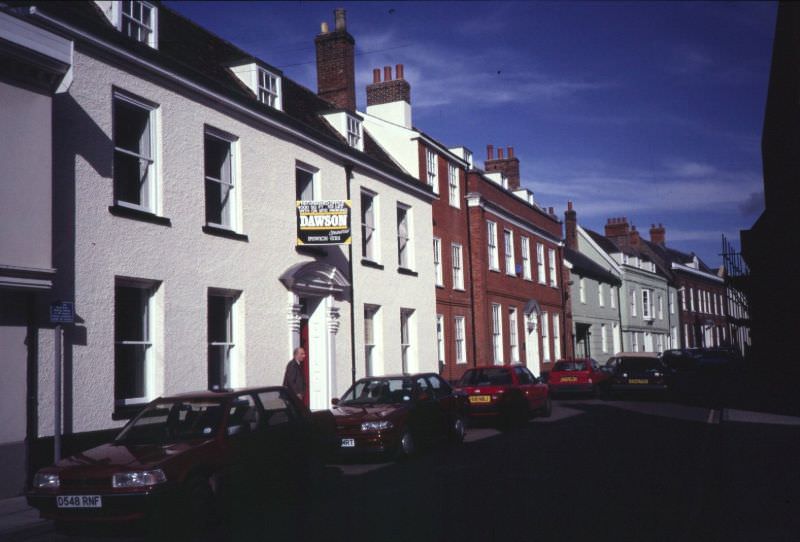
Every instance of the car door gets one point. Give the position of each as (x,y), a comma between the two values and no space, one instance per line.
(285,435)
(443,402)
(242,422)
(534,394)
(423,420)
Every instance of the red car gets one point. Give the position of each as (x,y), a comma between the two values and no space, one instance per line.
(180,457)
(577,376)
(508,392)
(395,415)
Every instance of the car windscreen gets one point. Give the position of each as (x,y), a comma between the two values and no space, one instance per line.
(639,364)
(486,377)
(379,390)
(570,366)
(173,421)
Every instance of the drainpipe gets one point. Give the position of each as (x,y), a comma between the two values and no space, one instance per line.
(471,281)
(348,171)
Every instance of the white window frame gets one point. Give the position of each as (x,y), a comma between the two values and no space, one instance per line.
(437,261)
(440,340)
(633,304)
(603,339)
(144,33)
(613,296)
(268,88)
(683,297)
(494,257)
(615,337)
(457,254)
(647,304)
(229,216)
(691,299)
(147,320)
(525,247)
(582,290)
(231,352)
(353,132)
(369,226)
(405,249)
(600,298)
(556,336)
(660,307)
(460,342)
(497,334)
(671,302)
(371,338)
(540,264)
(551,257)
(545,337)
(432,169)
(406,344)
(513,334)
(635,342)
(148,192)
(508,249)
(454,186)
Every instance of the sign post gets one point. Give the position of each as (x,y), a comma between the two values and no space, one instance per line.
(61,312)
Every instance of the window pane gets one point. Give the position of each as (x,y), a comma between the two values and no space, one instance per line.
(130,370)
(130,314)
(305,185)
(132,128)
(219,321)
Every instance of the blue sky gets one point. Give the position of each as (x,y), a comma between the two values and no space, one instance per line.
(647,110)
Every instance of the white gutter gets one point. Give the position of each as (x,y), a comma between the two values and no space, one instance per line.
(476,200)
(681,267)
(228,102)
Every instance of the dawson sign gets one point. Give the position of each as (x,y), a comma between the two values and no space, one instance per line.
(324,222)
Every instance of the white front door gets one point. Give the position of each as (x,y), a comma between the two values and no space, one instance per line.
(532,357)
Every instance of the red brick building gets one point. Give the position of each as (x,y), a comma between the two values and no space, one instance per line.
(520,283)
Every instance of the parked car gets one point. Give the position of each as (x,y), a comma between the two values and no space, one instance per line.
(700,372)
(179,457)
(636,372)
(396,415)
(509,393)
(577,376)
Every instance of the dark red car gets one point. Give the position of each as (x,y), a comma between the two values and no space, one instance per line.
(395,415)
(577,376)
(180,456)
(508,392)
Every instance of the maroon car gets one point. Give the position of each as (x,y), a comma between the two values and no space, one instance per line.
(507,392)
(179,457)
(577,376)
(395,415)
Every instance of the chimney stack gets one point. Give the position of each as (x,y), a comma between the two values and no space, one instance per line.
(389,90)
(634,236)
(571,227)
(658,235)
(617,229)
(508,166)
(336,79)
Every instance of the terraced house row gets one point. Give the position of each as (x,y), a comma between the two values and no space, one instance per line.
(151,180)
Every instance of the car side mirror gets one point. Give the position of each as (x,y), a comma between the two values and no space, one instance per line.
(335,401)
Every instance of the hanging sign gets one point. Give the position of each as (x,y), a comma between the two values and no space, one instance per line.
(325,222)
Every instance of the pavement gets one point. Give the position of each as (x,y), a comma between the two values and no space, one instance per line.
(16,517)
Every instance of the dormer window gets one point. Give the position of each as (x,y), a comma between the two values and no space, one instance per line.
(139,20)
(353,132)
(269,88)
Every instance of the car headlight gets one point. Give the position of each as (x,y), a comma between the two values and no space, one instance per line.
(46,481)
(657,375)
(138,478)
(376,426)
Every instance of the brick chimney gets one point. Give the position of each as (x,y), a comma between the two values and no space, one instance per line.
(571,227)
(634,237)
(509,165)
(336,79)
(617,229)
(390,99)
(658,234)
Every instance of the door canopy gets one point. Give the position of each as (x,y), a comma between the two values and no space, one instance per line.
(315,279)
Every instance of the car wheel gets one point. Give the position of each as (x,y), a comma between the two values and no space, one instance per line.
(547,409)
(407,446)
(458,430)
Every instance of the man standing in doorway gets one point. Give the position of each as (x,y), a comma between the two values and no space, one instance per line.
(294,377)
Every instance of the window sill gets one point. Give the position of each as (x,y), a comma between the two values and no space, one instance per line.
(493,270)
(136,214)
(406,271)
(459,289)
(311,250)
(222,232)
(371,263)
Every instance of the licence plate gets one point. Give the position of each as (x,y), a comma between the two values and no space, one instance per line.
(348,443)
(79,501)
(480,399)
(569,379)
(638,381)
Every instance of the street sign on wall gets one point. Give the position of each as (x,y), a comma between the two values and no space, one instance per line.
(62,312)
(325,222)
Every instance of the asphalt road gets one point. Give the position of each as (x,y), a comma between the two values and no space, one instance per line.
(616,470)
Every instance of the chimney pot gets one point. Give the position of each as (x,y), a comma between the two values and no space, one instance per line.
(323,27)
(490,152)
(387,73)
(341,21)
(499,153)
(398,71)
(511,152)
(376,75)
(569,206)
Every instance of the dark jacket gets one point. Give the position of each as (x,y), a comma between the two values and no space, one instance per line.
(294,379)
